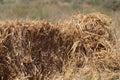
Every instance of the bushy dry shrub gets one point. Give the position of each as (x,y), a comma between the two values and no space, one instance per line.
(76,48)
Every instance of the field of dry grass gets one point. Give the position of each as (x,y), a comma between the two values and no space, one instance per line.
(52,10)
(59,40)
(82,47)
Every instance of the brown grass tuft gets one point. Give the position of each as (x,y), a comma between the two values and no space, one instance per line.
(81,47)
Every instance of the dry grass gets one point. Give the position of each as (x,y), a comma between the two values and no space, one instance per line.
(81,47)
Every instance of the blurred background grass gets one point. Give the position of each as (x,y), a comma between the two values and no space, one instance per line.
(52,10)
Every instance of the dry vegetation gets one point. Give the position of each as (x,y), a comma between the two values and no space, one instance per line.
(81,47)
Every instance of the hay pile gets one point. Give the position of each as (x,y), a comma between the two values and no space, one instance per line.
(80,47)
